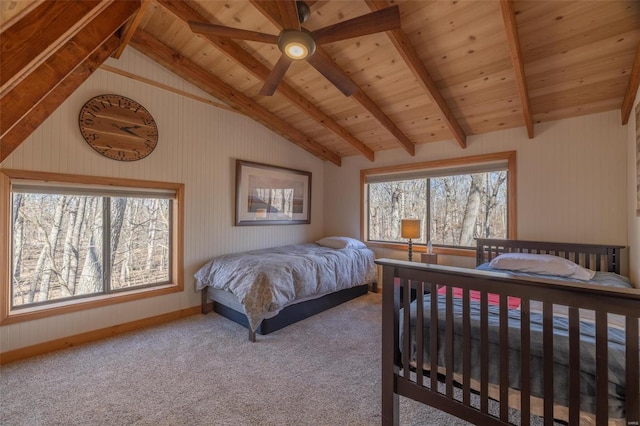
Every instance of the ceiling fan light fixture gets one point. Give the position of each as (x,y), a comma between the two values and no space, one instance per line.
(296,45)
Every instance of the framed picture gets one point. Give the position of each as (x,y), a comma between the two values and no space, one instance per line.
(270,195)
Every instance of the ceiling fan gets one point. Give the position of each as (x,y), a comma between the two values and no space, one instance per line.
(296,43)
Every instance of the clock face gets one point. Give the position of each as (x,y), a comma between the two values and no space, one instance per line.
(118,127)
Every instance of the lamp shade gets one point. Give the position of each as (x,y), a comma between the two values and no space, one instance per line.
(410,228)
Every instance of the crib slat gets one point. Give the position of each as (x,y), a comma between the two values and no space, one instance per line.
(504,359)
(390,345)
(406,296)
(547,363)
(574,366)
(449,342)
(633,364)
(602,369)
(420,334)
(525,372)
(433,330)
(484,353)
(611,254)
(466,354)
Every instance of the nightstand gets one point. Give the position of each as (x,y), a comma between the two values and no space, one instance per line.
(431,258)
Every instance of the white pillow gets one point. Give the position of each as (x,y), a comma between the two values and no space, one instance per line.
(541,264)
(341,243)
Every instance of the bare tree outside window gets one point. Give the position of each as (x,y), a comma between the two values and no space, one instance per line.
(461,208)
(58,250)
(140,255)
(390,202)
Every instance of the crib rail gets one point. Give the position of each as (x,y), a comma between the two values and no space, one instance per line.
(591,256)
(454,389)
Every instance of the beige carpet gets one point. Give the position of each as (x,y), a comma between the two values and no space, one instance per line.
(324,370)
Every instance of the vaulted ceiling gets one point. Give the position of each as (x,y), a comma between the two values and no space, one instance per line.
(452,69)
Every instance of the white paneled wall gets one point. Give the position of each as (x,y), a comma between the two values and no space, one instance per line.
(198,145)
(633,195)
(571,180)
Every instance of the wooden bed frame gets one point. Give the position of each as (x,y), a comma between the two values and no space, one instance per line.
(401,277)
(290,314)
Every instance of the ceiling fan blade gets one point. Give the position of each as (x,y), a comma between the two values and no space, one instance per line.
(335,75)
(289,14)
(382,20)
(228,32)
(277,73)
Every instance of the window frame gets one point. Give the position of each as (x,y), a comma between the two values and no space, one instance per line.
(176,279)
(470,161)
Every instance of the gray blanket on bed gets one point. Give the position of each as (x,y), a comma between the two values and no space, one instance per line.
(560,345)
(265,281)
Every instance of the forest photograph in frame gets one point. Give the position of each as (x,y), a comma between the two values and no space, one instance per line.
(271,195)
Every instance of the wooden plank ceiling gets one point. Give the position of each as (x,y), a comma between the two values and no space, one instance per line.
(452,69)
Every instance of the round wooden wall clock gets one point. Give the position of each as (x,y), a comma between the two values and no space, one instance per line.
(118,127)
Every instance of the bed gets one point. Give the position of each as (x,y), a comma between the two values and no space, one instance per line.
(497,332)
(268,289)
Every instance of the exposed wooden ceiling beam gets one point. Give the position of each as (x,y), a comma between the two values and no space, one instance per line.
(12,139)
(270,11)
(412,59)
(269,8)
(36,84)
(289,14)
(632,89)
(131,28)
(234,51)
(511,27)
(201,78)
(168,88)
(37,35)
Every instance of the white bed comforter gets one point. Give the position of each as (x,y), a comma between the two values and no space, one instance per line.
(265,281)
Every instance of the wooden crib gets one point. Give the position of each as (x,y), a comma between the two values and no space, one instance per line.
(494,362)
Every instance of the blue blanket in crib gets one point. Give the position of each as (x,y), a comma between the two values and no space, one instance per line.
(616,353)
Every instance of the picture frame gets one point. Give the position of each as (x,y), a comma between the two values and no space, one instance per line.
(271,195)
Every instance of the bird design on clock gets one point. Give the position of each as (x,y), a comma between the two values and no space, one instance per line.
(118,127)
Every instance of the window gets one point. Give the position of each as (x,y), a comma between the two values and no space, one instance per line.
(456,200)
(73,241)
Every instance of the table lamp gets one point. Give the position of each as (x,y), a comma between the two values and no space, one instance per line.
(410,228)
